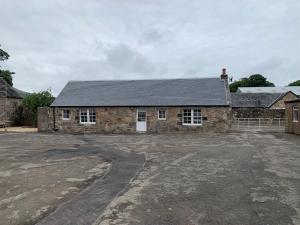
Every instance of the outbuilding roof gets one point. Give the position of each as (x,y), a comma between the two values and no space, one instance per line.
(255,100)
(168,92)
(294,89)
(10,92)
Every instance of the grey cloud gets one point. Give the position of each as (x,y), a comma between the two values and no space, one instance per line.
(53,41)
(117,62)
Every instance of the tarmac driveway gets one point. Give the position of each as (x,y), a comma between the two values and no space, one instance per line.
(60,179)
(229,179)
(211,179)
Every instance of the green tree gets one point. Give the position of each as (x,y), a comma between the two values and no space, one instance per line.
(5,74)
(3,55)
(32,102)
(255,80)
(295,83)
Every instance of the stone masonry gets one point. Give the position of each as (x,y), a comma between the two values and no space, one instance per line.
(8,107)
(280,103)
(45,119)
(292,126)
(258,113)
(123,120)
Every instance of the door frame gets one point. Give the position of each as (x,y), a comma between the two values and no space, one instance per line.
(144,122)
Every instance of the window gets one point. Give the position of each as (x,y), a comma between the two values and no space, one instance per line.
(88,116)
(66,114)
(197,118)
(295,114)
(192,117)
(141,116)
(162,114)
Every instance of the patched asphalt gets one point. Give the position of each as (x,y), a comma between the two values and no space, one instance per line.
(86,207)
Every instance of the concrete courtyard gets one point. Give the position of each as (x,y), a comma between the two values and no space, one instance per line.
(246,178)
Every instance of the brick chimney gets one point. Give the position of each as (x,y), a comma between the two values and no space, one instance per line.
(224,75)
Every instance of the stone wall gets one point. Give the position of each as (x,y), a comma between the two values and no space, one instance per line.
(8,107)
(291,126)
(123,120)
(258,113)
(214,119)
(280,104)
(45,119)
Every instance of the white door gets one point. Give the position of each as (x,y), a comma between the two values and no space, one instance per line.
(141,120)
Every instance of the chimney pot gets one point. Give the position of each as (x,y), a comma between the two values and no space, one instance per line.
(224,75)
(224,71)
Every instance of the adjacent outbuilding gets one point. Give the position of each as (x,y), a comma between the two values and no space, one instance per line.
(130,106)
(10,99)
(260,105)
(292,116)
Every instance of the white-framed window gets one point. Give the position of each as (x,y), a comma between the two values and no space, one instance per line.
(87,116)
(192,117)
(161,114)
(295,113)
(66,114)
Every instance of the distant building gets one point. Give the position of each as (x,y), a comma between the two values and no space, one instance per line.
(260,105)
(10,99)
(293,116)
(294,89)
(130,106)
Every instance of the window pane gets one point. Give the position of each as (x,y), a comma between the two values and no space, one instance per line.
(187,116)
(92,115)
(295,114)
(66,114)
(83,116)
(197,117)
(141,116)
(162,114)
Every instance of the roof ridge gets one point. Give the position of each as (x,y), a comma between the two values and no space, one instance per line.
(155,79)
(270,87)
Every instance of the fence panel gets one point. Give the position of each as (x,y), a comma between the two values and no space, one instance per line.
(259,123)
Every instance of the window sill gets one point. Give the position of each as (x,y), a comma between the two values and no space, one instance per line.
(161,119)
(295,121)
(66,119)
(87,123)
(192,125)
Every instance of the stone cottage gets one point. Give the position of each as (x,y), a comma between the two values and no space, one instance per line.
(10,99)
(130,106)
(293,116)
(260,105)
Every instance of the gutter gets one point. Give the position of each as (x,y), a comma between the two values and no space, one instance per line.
(113,106)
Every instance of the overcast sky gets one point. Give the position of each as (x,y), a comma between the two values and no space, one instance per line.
(53,41)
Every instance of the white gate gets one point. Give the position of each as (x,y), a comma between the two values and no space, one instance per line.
(259,123)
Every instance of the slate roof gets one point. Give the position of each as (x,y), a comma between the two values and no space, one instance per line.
(255,100)
(7,91)
(20,93)
(294,89)
(169,92)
